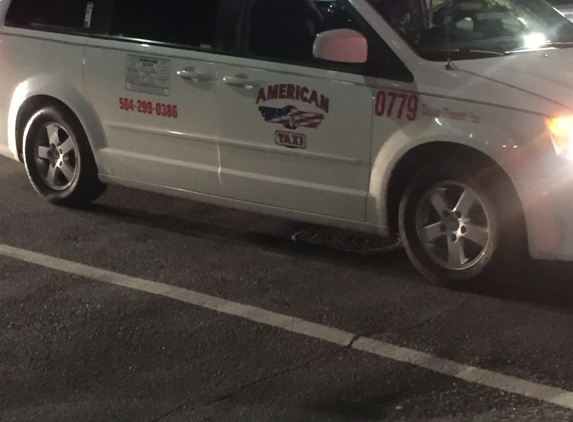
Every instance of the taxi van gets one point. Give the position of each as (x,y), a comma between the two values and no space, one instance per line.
(449,123)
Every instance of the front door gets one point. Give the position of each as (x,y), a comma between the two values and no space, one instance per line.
(295,133)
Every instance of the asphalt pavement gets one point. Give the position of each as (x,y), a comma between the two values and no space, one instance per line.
(182,311)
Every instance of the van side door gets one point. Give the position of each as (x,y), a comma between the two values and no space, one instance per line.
(296,131)
(152,79)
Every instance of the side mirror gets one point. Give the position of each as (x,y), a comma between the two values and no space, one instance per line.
(341,45)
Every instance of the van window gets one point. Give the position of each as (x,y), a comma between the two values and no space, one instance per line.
(285,30)
(185,22)
(476,29)
(59,13)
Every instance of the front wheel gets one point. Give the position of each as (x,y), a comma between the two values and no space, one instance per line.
(59,160)
(458,223)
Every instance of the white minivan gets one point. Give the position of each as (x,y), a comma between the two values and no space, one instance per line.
(449,123)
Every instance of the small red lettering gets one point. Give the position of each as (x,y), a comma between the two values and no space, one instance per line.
(290,140)
(293,92)
(303,94)
(313,98)
(147,107)
(324,103)
(272,92)
(393,104)
(290,92)
(261,97)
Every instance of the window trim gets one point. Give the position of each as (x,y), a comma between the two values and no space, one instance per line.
(131,40)
(42,27)
(53,29)
(107,22)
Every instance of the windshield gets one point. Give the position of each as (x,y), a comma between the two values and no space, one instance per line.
(471,29)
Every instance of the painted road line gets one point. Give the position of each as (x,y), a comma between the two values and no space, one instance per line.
(467,373)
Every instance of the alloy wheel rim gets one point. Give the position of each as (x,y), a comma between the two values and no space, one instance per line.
(453,225)
(56,156)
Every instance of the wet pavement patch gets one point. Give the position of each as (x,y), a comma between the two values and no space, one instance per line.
(348,241)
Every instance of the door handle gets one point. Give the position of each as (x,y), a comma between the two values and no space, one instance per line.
(242,81)
(193,75)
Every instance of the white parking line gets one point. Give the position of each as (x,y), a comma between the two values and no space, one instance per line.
(467,373)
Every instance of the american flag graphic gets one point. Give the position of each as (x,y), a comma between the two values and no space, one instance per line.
(290,117)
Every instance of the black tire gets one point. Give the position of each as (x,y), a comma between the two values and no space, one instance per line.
(59,160)
(462,225)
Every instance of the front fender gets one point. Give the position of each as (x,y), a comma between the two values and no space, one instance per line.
(516,141)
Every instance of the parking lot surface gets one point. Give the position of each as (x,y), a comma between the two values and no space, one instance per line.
(147,308)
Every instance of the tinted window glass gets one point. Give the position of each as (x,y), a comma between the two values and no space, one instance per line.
(475,29)
(60,13)
(186,22)
(286,30)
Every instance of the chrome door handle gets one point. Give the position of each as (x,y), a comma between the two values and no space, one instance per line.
(193,75)
(241,81)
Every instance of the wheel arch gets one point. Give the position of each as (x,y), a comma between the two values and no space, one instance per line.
(423,154)
(25,113)
(38,93)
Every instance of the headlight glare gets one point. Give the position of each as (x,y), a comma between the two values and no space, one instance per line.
(561,130)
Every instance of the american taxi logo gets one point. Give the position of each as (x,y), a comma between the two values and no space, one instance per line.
(290,116)
(290,140)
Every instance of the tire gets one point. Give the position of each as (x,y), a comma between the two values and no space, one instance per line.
(462,225)
(59,160)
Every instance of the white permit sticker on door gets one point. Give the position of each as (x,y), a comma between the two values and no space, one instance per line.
(147,74)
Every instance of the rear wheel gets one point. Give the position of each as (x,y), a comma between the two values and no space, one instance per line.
(59,160)
(458,224)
